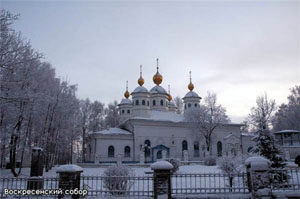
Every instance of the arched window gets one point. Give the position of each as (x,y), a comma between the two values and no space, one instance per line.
(153,103)
(123,111)
(143,102)
(219,148)
(196,149)
(189,105)
(127,151)
(195,105)
(136,102)
(128,111)
(161,102)
(111,152)
(185,106)
(184,145)
(147,145)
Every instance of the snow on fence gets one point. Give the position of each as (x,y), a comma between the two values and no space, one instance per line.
(142,186)
(285,179)
(118,185)
(195,183)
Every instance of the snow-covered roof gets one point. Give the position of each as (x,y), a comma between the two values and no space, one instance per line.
(247,134)
(158,89)
(125,101)
(69,168)
(37,148)
(171,104)
(155,115)
(230,135)
(288,131)
(140,89)
(257,162)
(161,165)
(191,94)
(113,131)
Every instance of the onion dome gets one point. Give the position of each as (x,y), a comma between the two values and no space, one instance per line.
(126,94)
(158,90)
(192,94)
(157,78)
(140,89)
(126,101)
(169,98)
(191,85)
(141,80)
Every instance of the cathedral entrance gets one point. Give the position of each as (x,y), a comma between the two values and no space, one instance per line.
(160,152)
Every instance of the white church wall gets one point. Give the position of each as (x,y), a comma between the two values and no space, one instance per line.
(119,142)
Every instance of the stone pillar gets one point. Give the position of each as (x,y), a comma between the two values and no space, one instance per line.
(142,158)
(69,178)
(162,179)
(36,169)
(258,177)
(119,159)
(185,156)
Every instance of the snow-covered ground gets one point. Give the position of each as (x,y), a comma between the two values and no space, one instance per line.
(139,171)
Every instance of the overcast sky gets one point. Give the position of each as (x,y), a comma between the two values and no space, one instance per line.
(237,49)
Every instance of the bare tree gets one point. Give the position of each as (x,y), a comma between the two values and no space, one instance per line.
(179,104)
(207,118)
(260,115)
(112,116)
(288,115)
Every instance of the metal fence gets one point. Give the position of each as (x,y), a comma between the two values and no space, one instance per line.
(142,186)
(196,183)
(123,186)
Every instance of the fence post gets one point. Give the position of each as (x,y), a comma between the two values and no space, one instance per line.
(36,169)
(69,178)
(258,177)
(162,178)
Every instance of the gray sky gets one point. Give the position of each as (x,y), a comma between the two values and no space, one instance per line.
(238,49)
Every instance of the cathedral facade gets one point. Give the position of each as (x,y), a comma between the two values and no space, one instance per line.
(150,129)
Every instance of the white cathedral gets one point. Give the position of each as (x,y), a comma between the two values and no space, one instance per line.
(150,129)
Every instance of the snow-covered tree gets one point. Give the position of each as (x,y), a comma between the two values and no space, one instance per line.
(231,166)
(265,146)
(260,115)
(112,115)
(288,115)
(179,104)
(207,118)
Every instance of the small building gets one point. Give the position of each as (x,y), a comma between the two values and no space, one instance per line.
(289,140)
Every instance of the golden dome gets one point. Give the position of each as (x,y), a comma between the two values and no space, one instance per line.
(141,80)
(126,94)
(157,78)
(169,97)
(191,85)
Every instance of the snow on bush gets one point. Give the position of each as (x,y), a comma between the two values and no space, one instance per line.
(231,166)
(210,161)
(175,163)
(117,179)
